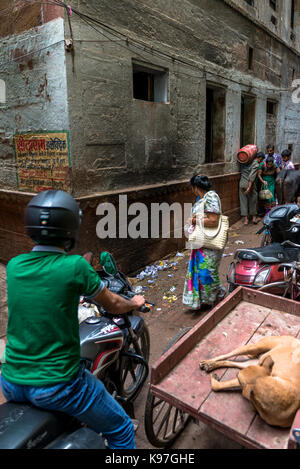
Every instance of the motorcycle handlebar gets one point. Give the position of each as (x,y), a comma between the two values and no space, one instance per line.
(145,309)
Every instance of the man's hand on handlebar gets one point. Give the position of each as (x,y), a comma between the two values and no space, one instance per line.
(118,305)
(138,301)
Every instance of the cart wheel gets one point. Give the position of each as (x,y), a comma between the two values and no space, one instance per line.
(164,422)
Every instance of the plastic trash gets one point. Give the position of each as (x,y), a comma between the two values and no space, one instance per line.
(170,298)
(179,254)
(172,289)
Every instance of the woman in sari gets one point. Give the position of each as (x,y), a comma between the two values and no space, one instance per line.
(202,285)
(267,175)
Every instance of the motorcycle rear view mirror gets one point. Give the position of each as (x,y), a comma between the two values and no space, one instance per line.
(108,263)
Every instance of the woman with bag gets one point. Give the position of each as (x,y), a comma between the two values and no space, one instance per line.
(202,285)
(267,175)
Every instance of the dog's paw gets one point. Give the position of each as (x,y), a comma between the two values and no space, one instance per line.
(206,366)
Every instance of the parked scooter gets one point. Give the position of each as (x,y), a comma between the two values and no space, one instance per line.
(254,268)
(113,348)
(281,224)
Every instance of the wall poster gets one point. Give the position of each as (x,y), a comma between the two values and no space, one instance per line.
(43,161)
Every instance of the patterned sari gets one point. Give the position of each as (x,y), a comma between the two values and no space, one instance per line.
(269,175)
(202,283)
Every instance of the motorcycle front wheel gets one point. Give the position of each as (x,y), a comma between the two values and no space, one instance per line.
(132,372)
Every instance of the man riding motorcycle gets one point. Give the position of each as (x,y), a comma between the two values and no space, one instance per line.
(41,363)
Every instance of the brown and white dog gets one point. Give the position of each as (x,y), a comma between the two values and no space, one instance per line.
(272,385)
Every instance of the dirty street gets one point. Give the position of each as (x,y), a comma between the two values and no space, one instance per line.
(150,227)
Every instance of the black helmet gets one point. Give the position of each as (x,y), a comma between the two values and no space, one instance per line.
(53,218)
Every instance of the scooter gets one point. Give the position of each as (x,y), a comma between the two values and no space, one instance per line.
(254,268)
(114,348)
(281,224)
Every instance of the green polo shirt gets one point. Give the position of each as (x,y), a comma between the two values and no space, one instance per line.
(43,291)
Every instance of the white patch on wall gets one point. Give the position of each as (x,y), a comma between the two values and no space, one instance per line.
(2,92)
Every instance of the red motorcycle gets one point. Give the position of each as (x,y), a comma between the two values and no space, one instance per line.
(258,267)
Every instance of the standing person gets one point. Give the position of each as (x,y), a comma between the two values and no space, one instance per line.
(286,158)
(41,363)
(277,158)
(248,190)
(202,285)
(267,174)
(258,160)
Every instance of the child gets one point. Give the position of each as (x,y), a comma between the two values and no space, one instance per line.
(286,158)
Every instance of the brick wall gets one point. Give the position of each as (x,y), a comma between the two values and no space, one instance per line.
(20,15)
(131,254)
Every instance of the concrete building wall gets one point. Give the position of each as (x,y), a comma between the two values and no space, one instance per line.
(32,66)
(275,16)
(119,141)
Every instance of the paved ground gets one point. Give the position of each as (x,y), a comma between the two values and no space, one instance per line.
(164,322)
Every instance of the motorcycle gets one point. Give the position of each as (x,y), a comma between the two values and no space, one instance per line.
(281,224)
(258,267)
(114,348)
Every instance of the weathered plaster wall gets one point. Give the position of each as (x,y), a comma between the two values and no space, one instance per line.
(118,141)
(36,89)
(262,12)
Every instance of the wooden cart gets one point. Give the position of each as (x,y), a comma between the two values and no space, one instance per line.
(243,317)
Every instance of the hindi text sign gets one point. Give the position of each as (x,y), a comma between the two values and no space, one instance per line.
(43,161)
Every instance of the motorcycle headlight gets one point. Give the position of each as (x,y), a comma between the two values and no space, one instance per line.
(262,278)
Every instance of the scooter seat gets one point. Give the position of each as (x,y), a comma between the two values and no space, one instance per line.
(272,254)
(23,426)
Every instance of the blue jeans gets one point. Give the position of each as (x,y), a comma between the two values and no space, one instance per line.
(86,398)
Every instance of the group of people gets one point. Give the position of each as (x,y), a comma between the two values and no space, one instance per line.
(259,175)
(203,286)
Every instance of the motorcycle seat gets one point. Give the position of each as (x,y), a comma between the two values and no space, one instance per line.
(272,254)
(23,426)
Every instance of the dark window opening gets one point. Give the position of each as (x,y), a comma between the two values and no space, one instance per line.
(271,108)
(215,124)
(248,105)
(150,84)
(250,58)
(273,4)
(143,86)
(293,14)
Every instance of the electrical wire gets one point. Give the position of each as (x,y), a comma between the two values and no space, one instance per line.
(31,53)
(140,45)
(151,50)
